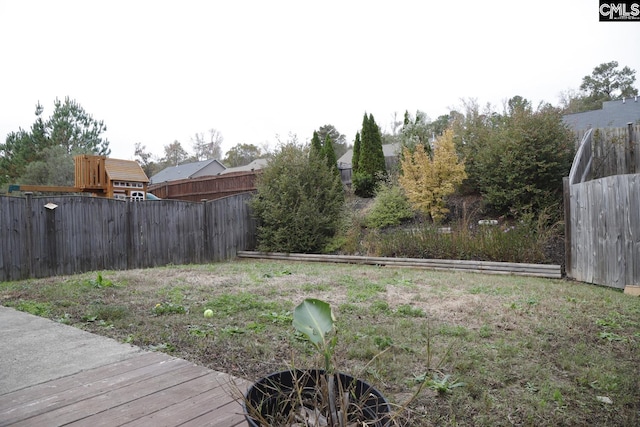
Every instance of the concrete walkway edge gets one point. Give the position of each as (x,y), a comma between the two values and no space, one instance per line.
(35,350)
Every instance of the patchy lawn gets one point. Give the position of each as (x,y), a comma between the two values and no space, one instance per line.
(494,350)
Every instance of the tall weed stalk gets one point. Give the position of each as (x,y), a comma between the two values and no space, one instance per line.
(524,241)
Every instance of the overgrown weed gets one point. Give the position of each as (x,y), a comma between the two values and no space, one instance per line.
(385,230)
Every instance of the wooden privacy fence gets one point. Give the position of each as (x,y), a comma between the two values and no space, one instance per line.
(602,209)
(47,236)
(606,152)
(206,187)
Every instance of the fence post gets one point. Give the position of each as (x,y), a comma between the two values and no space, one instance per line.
(632,154)
(29,240)
(566,194)
(52,241)
(205,230)
(129,238)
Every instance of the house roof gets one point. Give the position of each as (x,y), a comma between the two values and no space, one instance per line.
(254,165)
(613,114)
(124,170)
(186,170)
(389,150)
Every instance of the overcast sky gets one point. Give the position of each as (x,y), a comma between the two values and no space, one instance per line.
(158,71)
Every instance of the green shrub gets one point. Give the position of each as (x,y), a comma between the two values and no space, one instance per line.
(390,208)
(364,185)
(516,159)
(298,203)
(347,239)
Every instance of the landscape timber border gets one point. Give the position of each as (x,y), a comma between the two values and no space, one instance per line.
(550,271)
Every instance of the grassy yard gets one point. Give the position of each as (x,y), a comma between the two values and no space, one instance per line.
(491,350)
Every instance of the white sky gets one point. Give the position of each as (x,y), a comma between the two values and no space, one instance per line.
(159,71)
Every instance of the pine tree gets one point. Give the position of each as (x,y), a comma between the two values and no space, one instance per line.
(69,127)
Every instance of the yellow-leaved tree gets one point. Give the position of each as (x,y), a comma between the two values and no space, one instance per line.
(427,181)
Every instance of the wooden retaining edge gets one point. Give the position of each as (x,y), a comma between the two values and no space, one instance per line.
(551,271)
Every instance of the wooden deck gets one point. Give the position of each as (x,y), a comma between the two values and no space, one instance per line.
(150,389)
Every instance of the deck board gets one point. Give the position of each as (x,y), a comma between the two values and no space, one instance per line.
(222,410)
(152,403)
(151,389)
(45,390)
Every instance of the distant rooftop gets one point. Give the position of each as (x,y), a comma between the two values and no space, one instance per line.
(613,114)
(254,165)
(389,150)
(188,170)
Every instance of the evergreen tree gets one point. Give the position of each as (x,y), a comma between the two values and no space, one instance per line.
(522,165)
(316,144)
(339,140)
(355,160)
(70,127)
(605,83)
(515,160)
(73,128)
(298,203)
(330,155)
(371,163)
(55,168)
(378,165)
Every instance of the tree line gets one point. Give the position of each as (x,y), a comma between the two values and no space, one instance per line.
(514,157)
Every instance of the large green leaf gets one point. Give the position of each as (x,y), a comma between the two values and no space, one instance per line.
(314,319)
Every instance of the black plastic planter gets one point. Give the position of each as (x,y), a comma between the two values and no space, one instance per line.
(281,394)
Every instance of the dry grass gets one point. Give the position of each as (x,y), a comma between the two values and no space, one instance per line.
(529,351)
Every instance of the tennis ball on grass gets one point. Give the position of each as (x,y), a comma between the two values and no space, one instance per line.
(208,313)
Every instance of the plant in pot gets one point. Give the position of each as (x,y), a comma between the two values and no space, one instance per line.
(315,397)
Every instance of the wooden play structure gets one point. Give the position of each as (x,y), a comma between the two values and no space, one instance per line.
(103,177)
